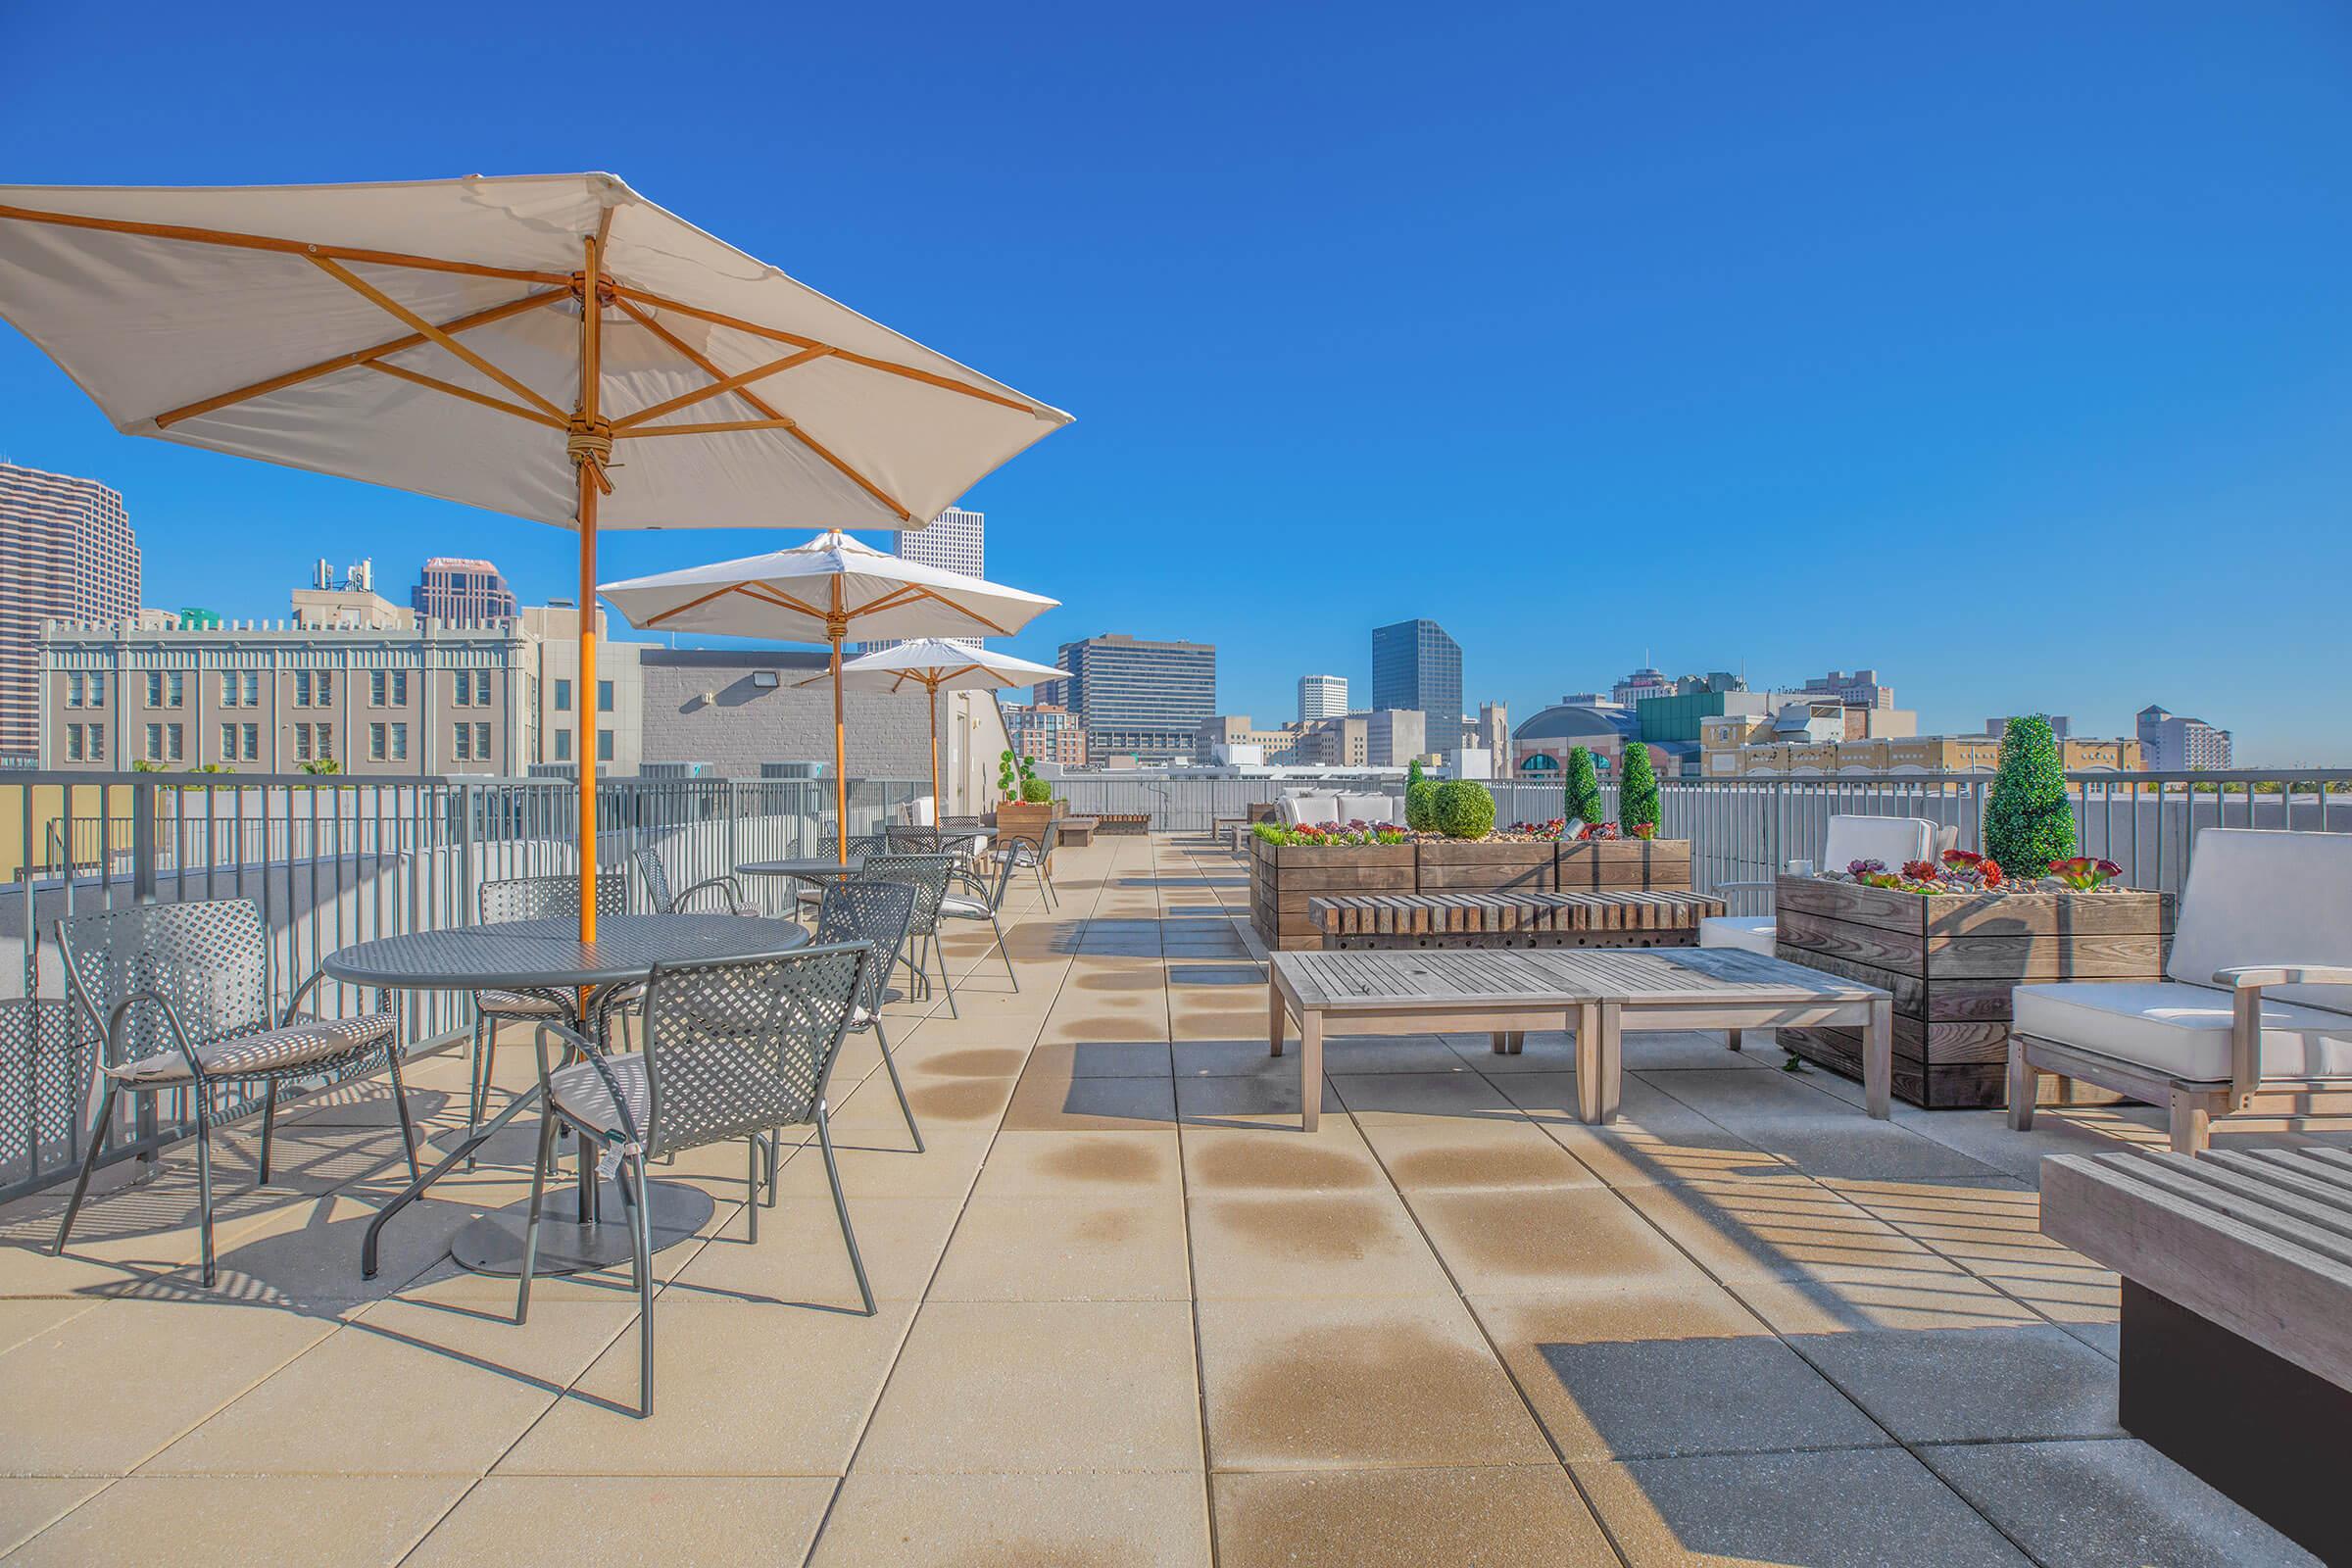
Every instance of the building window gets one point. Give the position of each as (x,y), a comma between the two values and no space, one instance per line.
(375,741)
(562,743)
(229,743)
(604,697)
(171,746)
(253,688)
(326,688)
(155,743)
(461,744)
(302,688)
(228,688)
(253,743)
(302,743)
(400,743)
(74,690)
(98,688)
(378,686)
(175,686)
(562,695)
(481,743)
(400,688)
(73,743)
(326,741)
(97,743)
(482,688)
(604,746)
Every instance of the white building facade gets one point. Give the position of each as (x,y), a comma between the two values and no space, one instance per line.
(1321,697)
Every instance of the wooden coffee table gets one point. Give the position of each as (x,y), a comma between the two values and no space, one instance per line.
(1610,918)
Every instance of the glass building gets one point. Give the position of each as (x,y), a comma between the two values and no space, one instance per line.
(1138,696)
(1416,665)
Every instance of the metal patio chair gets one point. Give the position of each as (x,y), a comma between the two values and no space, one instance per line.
(929,873)
(879,915)
(1032,847)
(983,895)
(733,1048)
(181,995)
(529,898)
(828,847)
(721,895)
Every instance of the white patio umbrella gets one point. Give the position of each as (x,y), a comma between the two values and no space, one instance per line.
(433,336)
(824,591)
(935,665)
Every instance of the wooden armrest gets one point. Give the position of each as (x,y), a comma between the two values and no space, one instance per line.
(2248,975)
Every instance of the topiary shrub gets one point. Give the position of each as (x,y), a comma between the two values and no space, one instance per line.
(1037,791)
(1420,804)
(2027,822)
(1637,793)
(1009,782)
(1463,809)
(1413,772)
(1584,788)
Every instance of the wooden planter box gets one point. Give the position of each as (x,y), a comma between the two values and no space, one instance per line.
(1950,961)
(1284,877)
(1030,818)
(1483,867)
(1588,866)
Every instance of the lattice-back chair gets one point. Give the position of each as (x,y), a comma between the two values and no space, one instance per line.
(930,874)
(529,898)
(828,847)
(977,895)
(961,844)
(1032,847)
(181,995)
(877,914)
(719,894)
(733,1048)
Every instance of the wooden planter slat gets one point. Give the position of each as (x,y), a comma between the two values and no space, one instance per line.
(1950,961)
(1586,864)
(1284,877)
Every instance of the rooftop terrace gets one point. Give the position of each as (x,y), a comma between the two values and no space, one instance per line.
(1130,1314)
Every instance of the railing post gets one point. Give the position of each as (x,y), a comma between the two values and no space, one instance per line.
(143,840)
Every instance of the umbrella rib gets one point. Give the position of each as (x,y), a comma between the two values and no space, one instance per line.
(401,313)
(903,594)
(778,335)
(418,377)
(702,362)
(691,603)
(757,373)
(285,247)
(962,610)
(279,383)
(721,427)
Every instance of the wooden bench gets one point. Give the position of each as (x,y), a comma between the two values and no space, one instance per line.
(1077,830)
(1124,823)
(2236,1316)
(1619,917)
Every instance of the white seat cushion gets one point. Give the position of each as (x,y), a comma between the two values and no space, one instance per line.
(521,1005)
(580,1092)
(2181,1031)
(1754,933)
(965,906)
(305,1042)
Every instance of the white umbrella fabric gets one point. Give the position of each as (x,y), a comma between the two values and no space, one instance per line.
(434,336)
(935,665)
(825,591)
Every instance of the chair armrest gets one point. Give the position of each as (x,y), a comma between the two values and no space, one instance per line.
(179,1033)
(723,883)
(2256,975)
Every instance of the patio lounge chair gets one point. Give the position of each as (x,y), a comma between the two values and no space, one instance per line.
(1890,839)
(181,995)
(2256,1002)
(733,1048)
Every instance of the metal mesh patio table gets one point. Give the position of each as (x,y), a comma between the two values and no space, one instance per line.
(548,956)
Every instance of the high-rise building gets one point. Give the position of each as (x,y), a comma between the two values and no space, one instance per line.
(1860,688)
(461,590)
(1048,732)
(1415,665)
(67,553)
(1493,736)
(1395,736)
(2176,744)
(1643,683)
(1321,697)
(957,540)
(1134,696)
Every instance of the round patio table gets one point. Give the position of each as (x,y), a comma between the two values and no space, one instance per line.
(547,955)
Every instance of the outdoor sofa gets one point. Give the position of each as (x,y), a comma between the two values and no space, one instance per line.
(1891,840)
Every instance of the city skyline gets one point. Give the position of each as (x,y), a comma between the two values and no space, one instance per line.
(2028,377)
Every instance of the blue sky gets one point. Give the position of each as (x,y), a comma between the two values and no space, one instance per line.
(2005,348)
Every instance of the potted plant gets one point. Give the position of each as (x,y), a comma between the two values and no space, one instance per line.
(2027,822)
(1420,796)
(1584,786)
(1638,794)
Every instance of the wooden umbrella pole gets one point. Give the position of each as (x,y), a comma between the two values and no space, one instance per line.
(836,625)
(939,805)
(587,458)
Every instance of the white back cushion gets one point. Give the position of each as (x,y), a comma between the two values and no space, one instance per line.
(917,811)
(1312,810)
(2267,896)
(1891,839)
(1368,809)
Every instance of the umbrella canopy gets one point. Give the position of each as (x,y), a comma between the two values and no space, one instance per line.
(555,347)
(935,665)
(825,591)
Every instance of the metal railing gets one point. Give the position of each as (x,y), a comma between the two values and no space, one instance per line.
(332,860)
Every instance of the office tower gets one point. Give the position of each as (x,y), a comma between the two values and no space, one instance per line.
(2174,744)
(67,553)
(1321,697)
(1416,666)
(455,588)
(955,541)
(1134,696)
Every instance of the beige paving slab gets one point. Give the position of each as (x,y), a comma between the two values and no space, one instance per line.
(109,1392)
(973,1388)
(1420,1097)
(1518,1516)
(876,1164)
(410,1388)
(1047,1103)
(1275,1245)
(1270,1101)
(1111,1247)
(1474,1155)
(30,1504)
(1348,1384)
(565,1521)
(741,1389)
(1774,1228)
(1511,1243)
(1080,1165)
(799,1258)
(23,1317)
(1101,1059)
(1142,1520)
(963,1104)
(1334,1158)
(299,1521)
(1835,1300)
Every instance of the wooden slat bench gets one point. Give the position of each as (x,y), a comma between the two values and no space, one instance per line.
(1618,917)
(2236,1316)
(1077,830)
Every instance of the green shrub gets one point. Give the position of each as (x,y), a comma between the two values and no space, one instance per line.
(1584,788)
(1638,791)
(1463,809)
(2027,822)
(1420,804)
(1035,791)
(1412,773)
